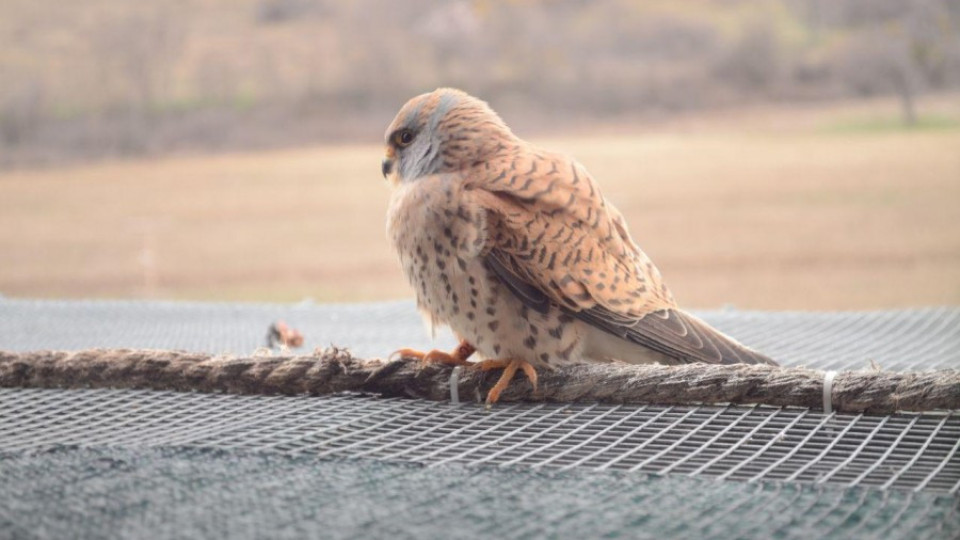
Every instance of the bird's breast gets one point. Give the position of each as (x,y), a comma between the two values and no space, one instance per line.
(437,239)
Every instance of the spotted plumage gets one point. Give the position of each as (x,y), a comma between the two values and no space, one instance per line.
(516,249)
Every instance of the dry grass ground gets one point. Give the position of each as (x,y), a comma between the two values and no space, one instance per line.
(778,210)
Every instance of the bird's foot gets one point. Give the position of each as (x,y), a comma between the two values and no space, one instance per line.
(510,368)
(456,358)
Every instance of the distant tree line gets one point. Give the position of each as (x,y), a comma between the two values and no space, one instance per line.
(132,78)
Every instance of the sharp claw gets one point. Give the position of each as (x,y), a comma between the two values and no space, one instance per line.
(488,365)
(458,358)
(531,373)
(510,368)
(407,353)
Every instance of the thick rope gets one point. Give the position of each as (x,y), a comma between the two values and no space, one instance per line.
(335,370)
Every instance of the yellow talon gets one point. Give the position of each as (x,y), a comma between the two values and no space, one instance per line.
(510,368)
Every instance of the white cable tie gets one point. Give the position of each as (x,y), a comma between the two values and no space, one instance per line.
(455,386)
(828,391)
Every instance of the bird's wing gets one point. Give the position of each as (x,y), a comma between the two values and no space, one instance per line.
(551,237)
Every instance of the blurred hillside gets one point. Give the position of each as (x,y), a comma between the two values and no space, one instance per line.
(101,78)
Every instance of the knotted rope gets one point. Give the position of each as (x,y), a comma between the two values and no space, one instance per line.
(336,370)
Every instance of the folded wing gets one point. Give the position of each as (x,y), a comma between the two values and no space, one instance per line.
(551,238)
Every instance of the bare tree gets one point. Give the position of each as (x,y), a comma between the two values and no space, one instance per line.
(138,52)
(21,108)
(917,47)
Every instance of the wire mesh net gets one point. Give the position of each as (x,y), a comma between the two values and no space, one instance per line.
(912,452)
(655,470)
(897,340)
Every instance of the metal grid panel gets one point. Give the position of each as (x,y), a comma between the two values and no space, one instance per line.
(906,452)
(900,340)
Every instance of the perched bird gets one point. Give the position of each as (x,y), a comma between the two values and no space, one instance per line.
(516,249)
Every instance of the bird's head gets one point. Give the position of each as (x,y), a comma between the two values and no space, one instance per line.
(443,131)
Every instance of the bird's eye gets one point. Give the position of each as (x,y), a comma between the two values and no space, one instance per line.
(403,138)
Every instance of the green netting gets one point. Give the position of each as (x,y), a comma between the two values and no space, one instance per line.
(70,492)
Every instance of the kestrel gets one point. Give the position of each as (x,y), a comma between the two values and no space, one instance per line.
(518,252)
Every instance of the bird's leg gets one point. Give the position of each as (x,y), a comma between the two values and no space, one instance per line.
(510,368)
(456,358)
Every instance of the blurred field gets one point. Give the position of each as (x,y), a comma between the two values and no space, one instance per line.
(792,209)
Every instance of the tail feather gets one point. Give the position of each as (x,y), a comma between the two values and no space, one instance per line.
(676,337)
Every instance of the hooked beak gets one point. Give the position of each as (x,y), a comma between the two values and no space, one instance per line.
(386,166)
